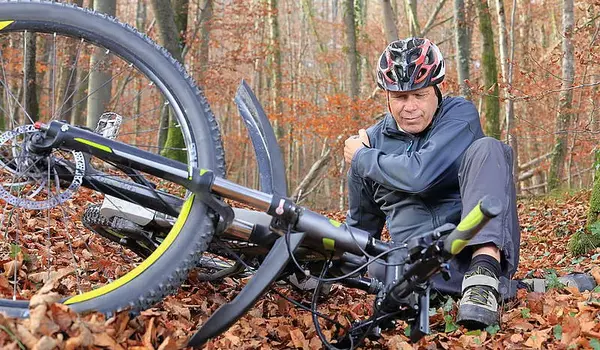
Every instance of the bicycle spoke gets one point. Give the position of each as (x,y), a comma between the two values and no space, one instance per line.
(67,98)
(10,96)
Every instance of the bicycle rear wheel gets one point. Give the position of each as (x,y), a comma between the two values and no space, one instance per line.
(80,66)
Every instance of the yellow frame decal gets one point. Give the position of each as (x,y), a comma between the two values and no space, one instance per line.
(4,24)
(185,211)
(335,223)
(328,244)
(94,144)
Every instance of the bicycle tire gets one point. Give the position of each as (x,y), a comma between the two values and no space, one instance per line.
(169,265)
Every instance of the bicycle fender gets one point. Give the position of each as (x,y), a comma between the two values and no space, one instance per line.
(266,274)
(266,148)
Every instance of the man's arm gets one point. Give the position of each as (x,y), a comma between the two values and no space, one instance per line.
(417,171)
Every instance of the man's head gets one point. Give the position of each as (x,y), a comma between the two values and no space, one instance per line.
(409,71)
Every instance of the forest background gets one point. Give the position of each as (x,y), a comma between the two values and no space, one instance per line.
(530,66)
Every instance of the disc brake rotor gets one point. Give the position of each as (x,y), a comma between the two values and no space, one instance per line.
(24,172)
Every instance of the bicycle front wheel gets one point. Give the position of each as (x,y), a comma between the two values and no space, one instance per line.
(60,62)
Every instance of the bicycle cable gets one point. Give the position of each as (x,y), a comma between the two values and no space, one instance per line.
(290,300)
(349,274)
(313,305)
(347,228)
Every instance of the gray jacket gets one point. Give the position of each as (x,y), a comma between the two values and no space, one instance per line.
(412,180)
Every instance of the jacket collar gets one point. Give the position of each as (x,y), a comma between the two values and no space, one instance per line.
(390,128)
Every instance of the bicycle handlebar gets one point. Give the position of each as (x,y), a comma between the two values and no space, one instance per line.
(487,208)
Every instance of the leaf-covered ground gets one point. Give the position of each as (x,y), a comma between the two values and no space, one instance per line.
(559,319)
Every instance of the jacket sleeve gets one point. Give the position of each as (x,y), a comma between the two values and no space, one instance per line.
(417,171)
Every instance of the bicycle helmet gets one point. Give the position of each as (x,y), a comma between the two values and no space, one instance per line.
(410,64)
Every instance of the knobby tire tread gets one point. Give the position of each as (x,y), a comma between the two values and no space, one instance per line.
(201,239)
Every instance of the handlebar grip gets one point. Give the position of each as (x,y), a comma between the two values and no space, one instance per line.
(487,208)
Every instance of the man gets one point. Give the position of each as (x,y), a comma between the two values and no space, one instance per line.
(426,163)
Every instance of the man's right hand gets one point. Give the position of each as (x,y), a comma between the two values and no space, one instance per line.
(354,143)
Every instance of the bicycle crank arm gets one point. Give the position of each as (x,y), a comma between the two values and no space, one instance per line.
(268,272)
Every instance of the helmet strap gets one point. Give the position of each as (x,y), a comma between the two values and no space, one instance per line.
(438,93)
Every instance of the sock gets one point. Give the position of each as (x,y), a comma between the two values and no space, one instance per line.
(484,260)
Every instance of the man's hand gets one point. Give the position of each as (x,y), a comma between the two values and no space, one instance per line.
(354,143)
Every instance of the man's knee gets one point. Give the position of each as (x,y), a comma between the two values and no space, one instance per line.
(486,146)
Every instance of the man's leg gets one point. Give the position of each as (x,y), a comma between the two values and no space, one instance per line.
(487,170)
(363,211)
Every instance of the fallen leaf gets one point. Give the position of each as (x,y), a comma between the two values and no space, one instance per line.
(535,302)
(571,330)
(62,315)
(397,343)
(149,335)
(298,339)
(104,340)
(26,337)
(40,323)
(11,267)
(536,339)
(43,299)
(168,344)
(516,338)
(82,339)
(595,272)
(178,309)
(45,343)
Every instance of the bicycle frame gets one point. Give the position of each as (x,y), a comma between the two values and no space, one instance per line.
(303,226)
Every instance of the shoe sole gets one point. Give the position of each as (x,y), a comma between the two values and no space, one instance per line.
(476,317)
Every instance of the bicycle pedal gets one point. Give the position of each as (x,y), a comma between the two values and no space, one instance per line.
(108,125)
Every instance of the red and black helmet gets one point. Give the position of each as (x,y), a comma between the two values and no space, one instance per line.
(410,64)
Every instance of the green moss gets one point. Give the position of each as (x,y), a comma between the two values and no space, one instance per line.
(583,241)
(587,239)
(174,144)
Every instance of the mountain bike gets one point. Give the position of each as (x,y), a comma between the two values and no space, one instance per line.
(113,186)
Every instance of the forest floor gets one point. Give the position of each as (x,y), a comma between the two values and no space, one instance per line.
(558,319)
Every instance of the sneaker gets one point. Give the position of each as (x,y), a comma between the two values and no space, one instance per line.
(478,307)
(582,281)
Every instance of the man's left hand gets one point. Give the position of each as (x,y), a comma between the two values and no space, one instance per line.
(354,143)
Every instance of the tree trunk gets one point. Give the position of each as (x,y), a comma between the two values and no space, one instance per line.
(30,101)
(205,23)
(389,21)
(593,215)
(565,99)
(140,23)
(275,63)
(430,21)
(507,64)
(67,78)
(170,21)
(180,11)
(100,81)
(413,19)
(463,47)
(582,241)
(350,49)
(307,7)
(490,72)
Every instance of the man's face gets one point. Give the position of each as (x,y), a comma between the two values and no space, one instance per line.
(413,110)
